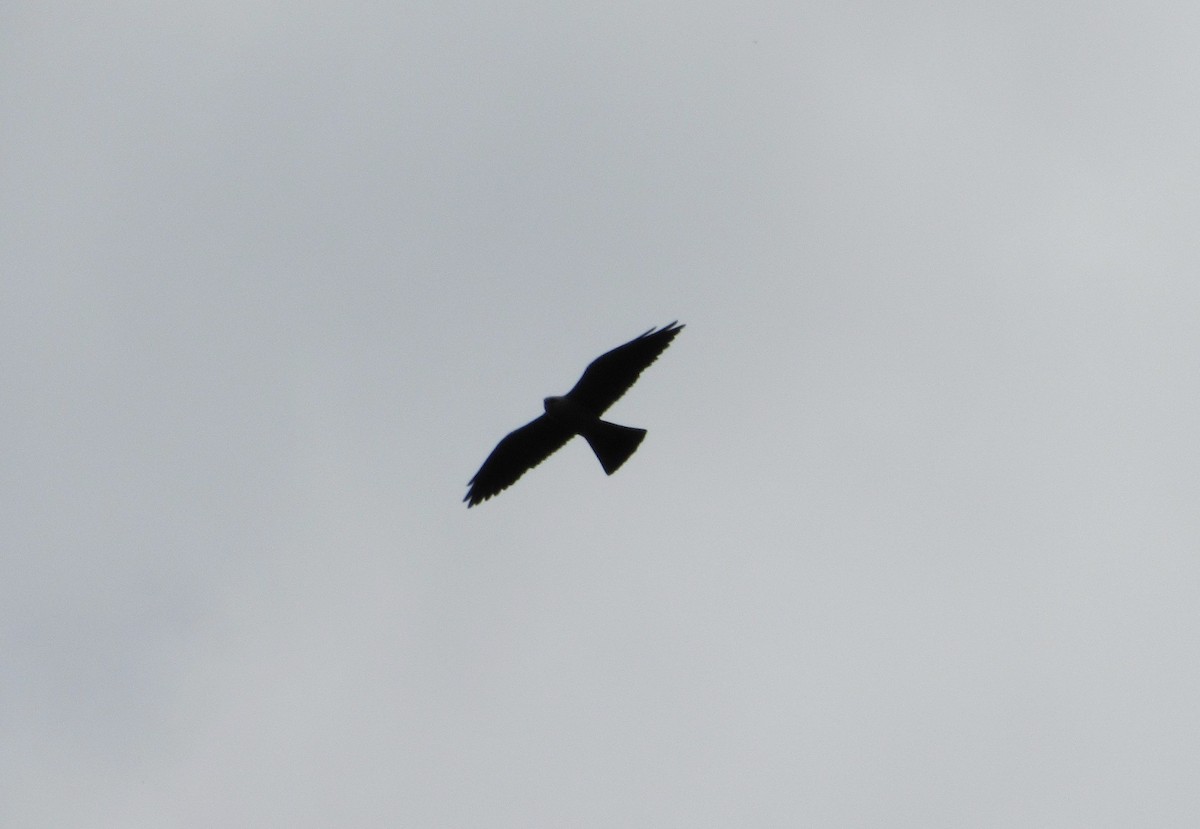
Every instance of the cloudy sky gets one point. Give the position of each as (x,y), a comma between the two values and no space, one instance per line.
(913,539)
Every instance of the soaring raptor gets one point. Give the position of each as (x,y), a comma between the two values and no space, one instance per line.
(576,413)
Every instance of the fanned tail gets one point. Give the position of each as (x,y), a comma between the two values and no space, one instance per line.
(613,444)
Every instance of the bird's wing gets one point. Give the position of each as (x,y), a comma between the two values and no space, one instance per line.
(520,451)
(610,375)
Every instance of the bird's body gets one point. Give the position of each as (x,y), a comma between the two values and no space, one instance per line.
(576,413)
(567,410)
(612,444)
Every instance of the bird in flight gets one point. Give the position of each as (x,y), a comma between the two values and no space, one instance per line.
(576,413)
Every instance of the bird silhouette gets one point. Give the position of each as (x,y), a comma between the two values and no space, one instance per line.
(576,413)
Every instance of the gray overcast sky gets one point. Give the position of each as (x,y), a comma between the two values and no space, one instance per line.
(913,539)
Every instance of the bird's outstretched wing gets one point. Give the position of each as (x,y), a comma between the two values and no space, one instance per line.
(520,451)
(610,375)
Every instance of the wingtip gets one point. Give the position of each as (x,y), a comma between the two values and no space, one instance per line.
(671,327)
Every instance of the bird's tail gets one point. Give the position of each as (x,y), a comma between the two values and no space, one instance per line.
(613,444)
